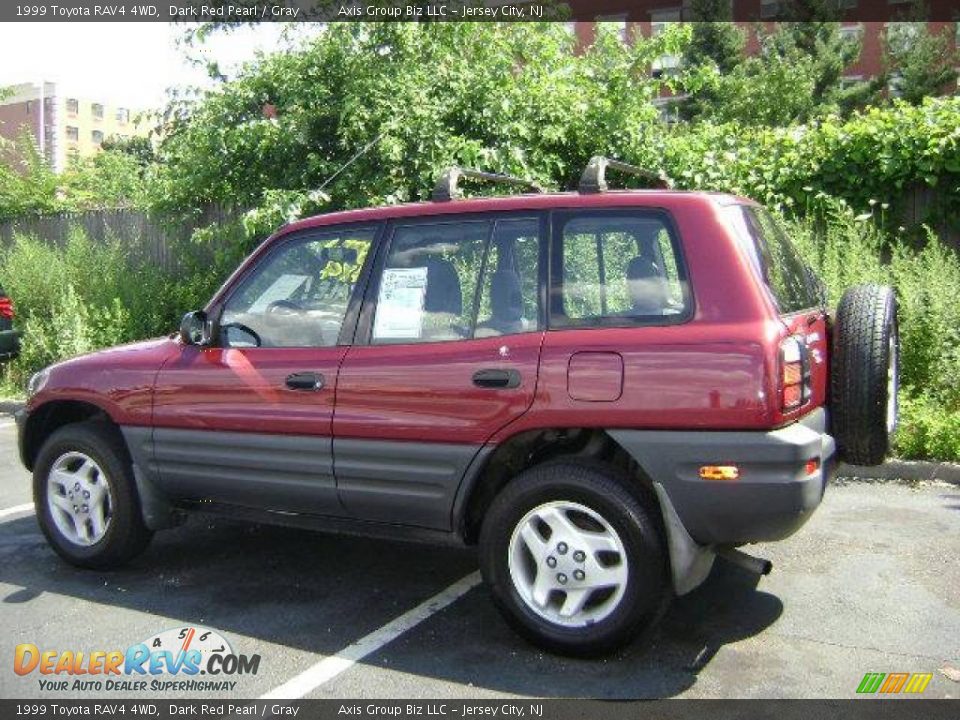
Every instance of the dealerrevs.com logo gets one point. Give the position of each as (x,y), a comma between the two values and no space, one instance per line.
(180,653)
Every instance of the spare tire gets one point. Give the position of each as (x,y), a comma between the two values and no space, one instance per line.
(865,374)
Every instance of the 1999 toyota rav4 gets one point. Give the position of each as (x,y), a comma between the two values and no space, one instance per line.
(600,389)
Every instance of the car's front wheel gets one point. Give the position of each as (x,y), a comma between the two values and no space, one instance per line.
(86,499)
(574,558)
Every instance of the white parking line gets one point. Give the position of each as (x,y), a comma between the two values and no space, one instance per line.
(16,510)
(328,668)
(6,425)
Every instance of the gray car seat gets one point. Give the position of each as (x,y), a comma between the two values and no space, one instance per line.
(506,306)
(647,287)
(442,301)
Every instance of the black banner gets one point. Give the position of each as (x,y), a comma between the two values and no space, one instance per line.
(637,11)
(887,709)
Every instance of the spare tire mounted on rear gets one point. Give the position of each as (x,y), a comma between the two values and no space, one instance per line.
(865,374)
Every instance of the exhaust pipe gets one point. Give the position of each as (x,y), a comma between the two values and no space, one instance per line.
(758,566)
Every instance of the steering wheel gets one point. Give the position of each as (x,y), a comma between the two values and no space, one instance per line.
(225,331)
(287,305)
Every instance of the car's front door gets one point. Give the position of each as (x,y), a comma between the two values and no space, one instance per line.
(447,354)
(248,421)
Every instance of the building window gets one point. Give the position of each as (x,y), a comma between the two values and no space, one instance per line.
(769,8)
(847,4)
(97,137)
(851,33)
(848,81)
(97,110)
(123,116)
(660,20)
(29,107)
(73,133)
(73,106)
(900,35)
(895,85)
(617,23)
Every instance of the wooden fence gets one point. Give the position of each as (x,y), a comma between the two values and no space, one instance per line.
(148,241)
(162,244)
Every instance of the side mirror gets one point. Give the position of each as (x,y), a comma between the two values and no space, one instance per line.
(194,329)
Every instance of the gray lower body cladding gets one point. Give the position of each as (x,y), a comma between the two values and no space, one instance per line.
(402,483)
(774,495)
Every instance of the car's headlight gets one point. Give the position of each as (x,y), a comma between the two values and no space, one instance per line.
(37,382)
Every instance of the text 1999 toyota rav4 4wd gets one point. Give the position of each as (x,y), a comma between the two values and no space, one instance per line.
(601,389)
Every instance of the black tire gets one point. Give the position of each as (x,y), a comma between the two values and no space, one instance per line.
(866,346)
(630,512)
(126,534)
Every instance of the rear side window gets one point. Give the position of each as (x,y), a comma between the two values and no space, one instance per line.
(617,268)
(774,258)
(459,280)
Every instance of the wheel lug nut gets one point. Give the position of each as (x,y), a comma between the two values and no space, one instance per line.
(561,578)
(86,494)
(77,487)
(579,574)
(579,556)
(562,548)
(75,508)
(551,561)
(85,508)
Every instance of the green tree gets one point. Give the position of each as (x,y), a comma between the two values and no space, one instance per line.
(27,183)
(714,38)
(138,147)
(917,62)
(797,75)
(506,97)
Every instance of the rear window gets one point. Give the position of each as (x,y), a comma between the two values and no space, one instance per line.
(617,268)
(774,258)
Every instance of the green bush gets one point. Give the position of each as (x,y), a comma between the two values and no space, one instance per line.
(87,295)
(846,251)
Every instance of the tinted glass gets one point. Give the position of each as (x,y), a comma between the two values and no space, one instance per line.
(458,280)
(619,269)
(775,259)
(297,296)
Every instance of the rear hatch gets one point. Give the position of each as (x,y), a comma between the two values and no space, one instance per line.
(800,298)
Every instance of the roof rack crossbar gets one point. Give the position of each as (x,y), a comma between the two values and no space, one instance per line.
(447,185)
(594,178)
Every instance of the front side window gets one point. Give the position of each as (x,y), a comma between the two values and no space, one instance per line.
(298,295)
(618,269)
(459,280)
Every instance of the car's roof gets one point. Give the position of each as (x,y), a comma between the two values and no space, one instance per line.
(538,201)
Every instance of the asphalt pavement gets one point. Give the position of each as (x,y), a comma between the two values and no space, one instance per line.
(870,584)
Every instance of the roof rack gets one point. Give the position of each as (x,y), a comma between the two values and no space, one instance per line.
(594,178)
(446,188)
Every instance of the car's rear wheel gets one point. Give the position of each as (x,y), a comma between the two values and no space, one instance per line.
(86,498)
(574,558)
(865,374)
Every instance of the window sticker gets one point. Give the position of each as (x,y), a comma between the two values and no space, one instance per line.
(400,305)
(281,289)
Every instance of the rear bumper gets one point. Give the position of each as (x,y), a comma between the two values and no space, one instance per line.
(9,344)
(774,495)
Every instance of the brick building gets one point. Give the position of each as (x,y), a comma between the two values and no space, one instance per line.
(63,124)
(869,19)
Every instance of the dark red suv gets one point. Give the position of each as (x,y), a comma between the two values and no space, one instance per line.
(602,389)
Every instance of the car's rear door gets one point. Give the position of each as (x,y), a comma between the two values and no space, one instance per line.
(248,421)
(446,355)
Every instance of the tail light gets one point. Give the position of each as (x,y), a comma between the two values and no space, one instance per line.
(795,388)
(6,308)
